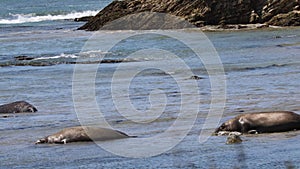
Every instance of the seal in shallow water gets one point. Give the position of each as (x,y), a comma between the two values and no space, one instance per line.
(262,122)
(233,138)
(17,107)
(83,133)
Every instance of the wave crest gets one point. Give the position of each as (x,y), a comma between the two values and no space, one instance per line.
(32,17)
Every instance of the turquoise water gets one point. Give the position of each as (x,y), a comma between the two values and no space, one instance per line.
(262,70)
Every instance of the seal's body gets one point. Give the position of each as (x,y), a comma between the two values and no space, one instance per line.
(262,122)
(83,133)
(17,107)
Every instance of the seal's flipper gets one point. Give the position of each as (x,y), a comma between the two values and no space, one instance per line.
(64,141)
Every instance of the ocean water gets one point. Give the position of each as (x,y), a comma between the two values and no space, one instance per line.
(262,70)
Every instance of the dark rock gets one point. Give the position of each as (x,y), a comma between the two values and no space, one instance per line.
(6,116)
(196,12)
(34,63)
(195,77)
(119,121)
(83,19)
(23,58)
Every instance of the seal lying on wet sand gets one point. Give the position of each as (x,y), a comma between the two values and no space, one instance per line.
(262,122)
(17,107)
(83,133)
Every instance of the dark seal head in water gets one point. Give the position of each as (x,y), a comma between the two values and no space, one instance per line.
(83,133)
(17,107)
(262,122)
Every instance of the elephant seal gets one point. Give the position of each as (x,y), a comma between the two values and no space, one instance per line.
(233,139)
(17,107)
(262,122)
(83,133)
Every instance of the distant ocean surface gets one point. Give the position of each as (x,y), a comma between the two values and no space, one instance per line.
(27,12)
(43,23)
(262,69)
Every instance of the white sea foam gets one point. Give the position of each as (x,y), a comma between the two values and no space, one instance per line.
(27,18)
(94,53)
(57,57)
(87,54)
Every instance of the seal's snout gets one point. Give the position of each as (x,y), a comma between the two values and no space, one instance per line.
(221,128)
(40,141)
(29,108)
(32,109)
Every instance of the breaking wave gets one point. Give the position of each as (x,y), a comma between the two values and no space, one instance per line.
(32,17)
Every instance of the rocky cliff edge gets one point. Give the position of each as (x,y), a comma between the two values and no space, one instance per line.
(203,12)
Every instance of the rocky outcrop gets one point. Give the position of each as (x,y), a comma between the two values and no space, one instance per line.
(272,8)
(200,12)
(23,57)
(289,19)
(147,21)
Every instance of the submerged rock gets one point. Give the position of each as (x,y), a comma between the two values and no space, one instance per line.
(198,12)
(195,77)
